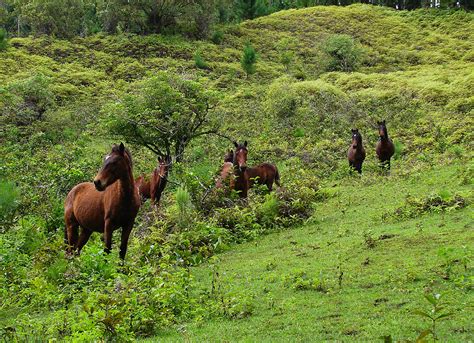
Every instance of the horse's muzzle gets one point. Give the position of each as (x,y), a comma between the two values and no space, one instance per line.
(98,185)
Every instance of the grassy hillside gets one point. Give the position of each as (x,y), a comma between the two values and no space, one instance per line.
(357,270)
(415,70)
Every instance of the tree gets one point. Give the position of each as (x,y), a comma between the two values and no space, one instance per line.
(3,40)
(251,9)
(164,115)
(249,58)
(344,54)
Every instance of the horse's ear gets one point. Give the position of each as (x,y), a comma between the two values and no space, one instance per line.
(245,144)
(121,148)
(378,123)
(235,144)
(353,130)
(231,151)
(383,122)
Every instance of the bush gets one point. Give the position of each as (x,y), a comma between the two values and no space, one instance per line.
(9,201)
(3,39)
(248,60)
(344,54)
(199,61)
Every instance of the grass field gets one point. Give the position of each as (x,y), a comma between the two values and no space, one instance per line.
(289,282)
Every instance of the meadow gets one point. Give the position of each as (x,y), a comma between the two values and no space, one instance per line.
(329,256)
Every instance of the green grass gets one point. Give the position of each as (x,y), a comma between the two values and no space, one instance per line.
(381,285)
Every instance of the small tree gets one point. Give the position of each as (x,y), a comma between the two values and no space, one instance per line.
(249,58)
(344,54)
(3,40)
(164,115)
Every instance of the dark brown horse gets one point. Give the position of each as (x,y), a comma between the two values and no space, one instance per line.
(240,181)
(385,148)
(153,188)
(226,171)
(356,152)
(111,202)
(263,174)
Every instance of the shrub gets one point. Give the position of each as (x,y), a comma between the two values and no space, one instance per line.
(199,61)
(248,60)
(217,37)
(9,201)
(344,54)
(3,39)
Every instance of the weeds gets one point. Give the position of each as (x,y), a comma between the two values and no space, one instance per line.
(437,313)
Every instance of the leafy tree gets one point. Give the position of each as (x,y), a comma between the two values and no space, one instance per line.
(3,39)
(164,115)
(344,54)
(249,58)
(61,18)
(251,9)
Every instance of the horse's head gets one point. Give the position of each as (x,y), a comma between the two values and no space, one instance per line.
(116,165)
(382,129)
(164,165)
(240,156)
(229,157)
(356,138)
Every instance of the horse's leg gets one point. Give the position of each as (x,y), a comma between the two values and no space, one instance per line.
(270,185)
(72,227)
(83,238)
(124,240)
(108,236)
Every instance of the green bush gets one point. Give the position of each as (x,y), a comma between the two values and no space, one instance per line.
(344,54)
(3,39)
(248,60)
(9,201)
(199,61)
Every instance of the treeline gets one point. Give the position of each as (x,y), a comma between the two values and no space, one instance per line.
(193,18)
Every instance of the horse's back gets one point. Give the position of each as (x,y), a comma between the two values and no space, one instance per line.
(84,204)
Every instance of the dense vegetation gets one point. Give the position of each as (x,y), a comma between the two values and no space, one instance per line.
(292,84)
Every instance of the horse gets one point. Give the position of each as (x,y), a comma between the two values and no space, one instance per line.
(153,188)
(240,181)
(385,148)
(356,152)
(263,174)
(109,203)
(159,179)
(226,170)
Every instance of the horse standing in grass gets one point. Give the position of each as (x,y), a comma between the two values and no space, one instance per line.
(153,188)
(240,181)
(110,203)
(263,174)
(385,148)
(227,169)
(356,152)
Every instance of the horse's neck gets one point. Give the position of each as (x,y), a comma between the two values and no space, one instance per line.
(127,185)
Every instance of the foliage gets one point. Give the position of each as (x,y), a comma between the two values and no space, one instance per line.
(435,314)
(199,61)
(343,52)
(164,115)
(3,39)
(248,60)
(9,201)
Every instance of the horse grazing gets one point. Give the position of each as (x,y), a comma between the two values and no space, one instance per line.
(385,148)
(111,202)
(263,174)
(226,170)
(356,152)
(153,188)
(240,181)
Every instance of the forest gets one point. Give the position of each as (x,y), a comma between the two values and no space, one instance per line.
(327,254)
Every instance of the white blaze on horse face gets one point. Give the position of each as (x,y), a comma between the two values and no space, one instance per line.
(107,157)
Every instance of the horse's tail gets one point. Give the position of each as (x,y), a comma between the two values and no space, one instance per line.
(277,177)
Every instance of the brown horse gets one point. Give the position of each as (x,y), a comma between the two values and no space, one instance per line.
(385,148)
(226,170)
(240,181)
(263,174)
(111,202)
(153,188)
(356,152)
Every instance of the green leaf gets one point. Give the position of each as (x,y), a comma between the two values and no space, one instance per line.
(430,298)
(421,313)
(444,315)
